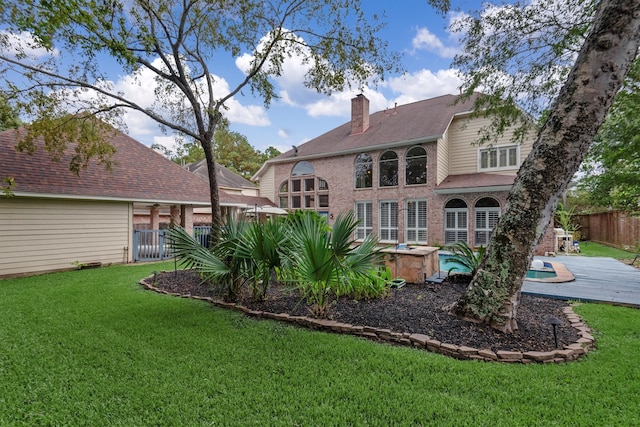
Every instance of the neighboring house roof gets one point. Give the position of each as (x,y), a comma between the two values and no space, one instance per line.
(229,180)
(475,182)
(417,122)
(242,200)
(225,177)
(139,174)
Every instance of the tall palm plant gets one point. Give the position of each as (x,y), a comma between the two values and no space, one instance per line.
(192,255)
(219,264)
(325,260)
(262,247)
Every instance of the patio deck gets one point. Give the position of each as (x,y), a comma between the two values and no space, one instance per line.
(597,279)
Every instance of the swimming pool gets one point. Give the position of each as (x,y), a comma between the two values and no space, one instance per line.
(547,272)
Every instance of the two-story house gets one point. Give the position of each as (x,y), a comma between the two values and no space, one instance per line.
(411,173)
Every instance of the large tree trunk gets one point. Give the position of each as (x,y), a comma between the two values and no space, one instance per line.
(581,107)
(216,219)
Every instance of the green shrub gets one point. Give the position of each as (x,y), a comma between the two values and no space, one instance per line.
(375,284)
(465,255)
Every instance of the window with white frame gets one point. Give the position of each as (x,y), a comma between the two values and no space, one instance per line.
(498,158)
(364,215)
(455,221)
(416,221)
(487,213)
(388,221)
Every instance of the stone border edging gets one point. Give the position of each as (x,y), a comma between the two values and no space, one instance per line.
(570,352)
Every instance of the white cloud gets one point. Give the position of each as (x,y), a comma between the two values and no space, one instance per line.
(425,84)
(426,40)
(140,88)
(283,134)
(23,43)
(292,91)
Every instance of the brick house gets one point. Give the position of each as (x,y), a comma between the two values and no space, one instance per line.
(411,174)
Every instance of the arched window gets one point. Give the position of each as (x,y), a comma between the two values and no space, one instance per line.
(487,213)
(303,168)
(388,169)
(416,166)
(455,221)
(304,190)
(364,171)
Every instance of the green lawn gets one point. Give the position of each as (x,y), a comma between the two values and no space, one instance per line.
(91,347)
(597,249)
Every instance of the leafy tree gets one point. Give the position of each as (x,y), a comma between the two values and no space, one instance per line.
(9,117)
(8,120)
(188,152)
(177,46)
(612,169)
(609,40)
(231,149)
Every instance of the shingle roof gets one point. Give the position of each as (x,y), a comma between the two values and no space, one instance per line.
(139,174)
(242,200)
(422,120)
(474,182)
(226,178)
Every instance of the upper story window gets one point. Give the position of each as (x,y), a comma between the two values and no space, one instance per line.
(416,166)
(499,157)
(388,169)
(303,168)
(303,190)
(364,171)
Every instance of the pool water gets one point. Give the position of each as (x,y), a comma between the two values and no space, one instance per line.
(540,274)
(455,267)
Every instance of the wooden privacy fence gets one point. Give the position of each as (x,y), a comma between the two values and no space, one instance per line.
(613,228)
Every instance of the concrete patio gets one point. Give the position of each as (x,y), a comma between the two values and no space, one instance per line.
(596,279)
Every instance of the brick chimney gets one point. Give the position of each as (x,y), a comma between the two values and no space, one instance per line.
(359,114)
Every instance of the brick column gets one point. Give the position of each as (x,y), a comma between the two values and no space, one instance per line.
(154,214)
(175,215)
(186,218)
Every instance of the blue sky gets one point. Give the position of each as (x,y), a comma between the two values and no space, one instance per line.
(413,28)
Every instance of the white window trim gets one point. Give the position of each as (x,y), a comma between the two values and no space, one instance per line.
(363,226)
(388,228)
(497,148)
(457,230)
(416,229)
(486,231)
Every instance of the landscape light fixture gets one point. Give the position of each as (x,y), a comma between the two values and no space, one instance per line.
(554,322)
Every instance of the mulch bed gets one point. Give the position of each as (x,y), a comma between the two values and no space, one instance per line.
(414,308)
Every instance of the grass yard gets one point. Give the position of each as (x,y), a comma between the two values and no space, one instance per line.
(90,347)
(600,250)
